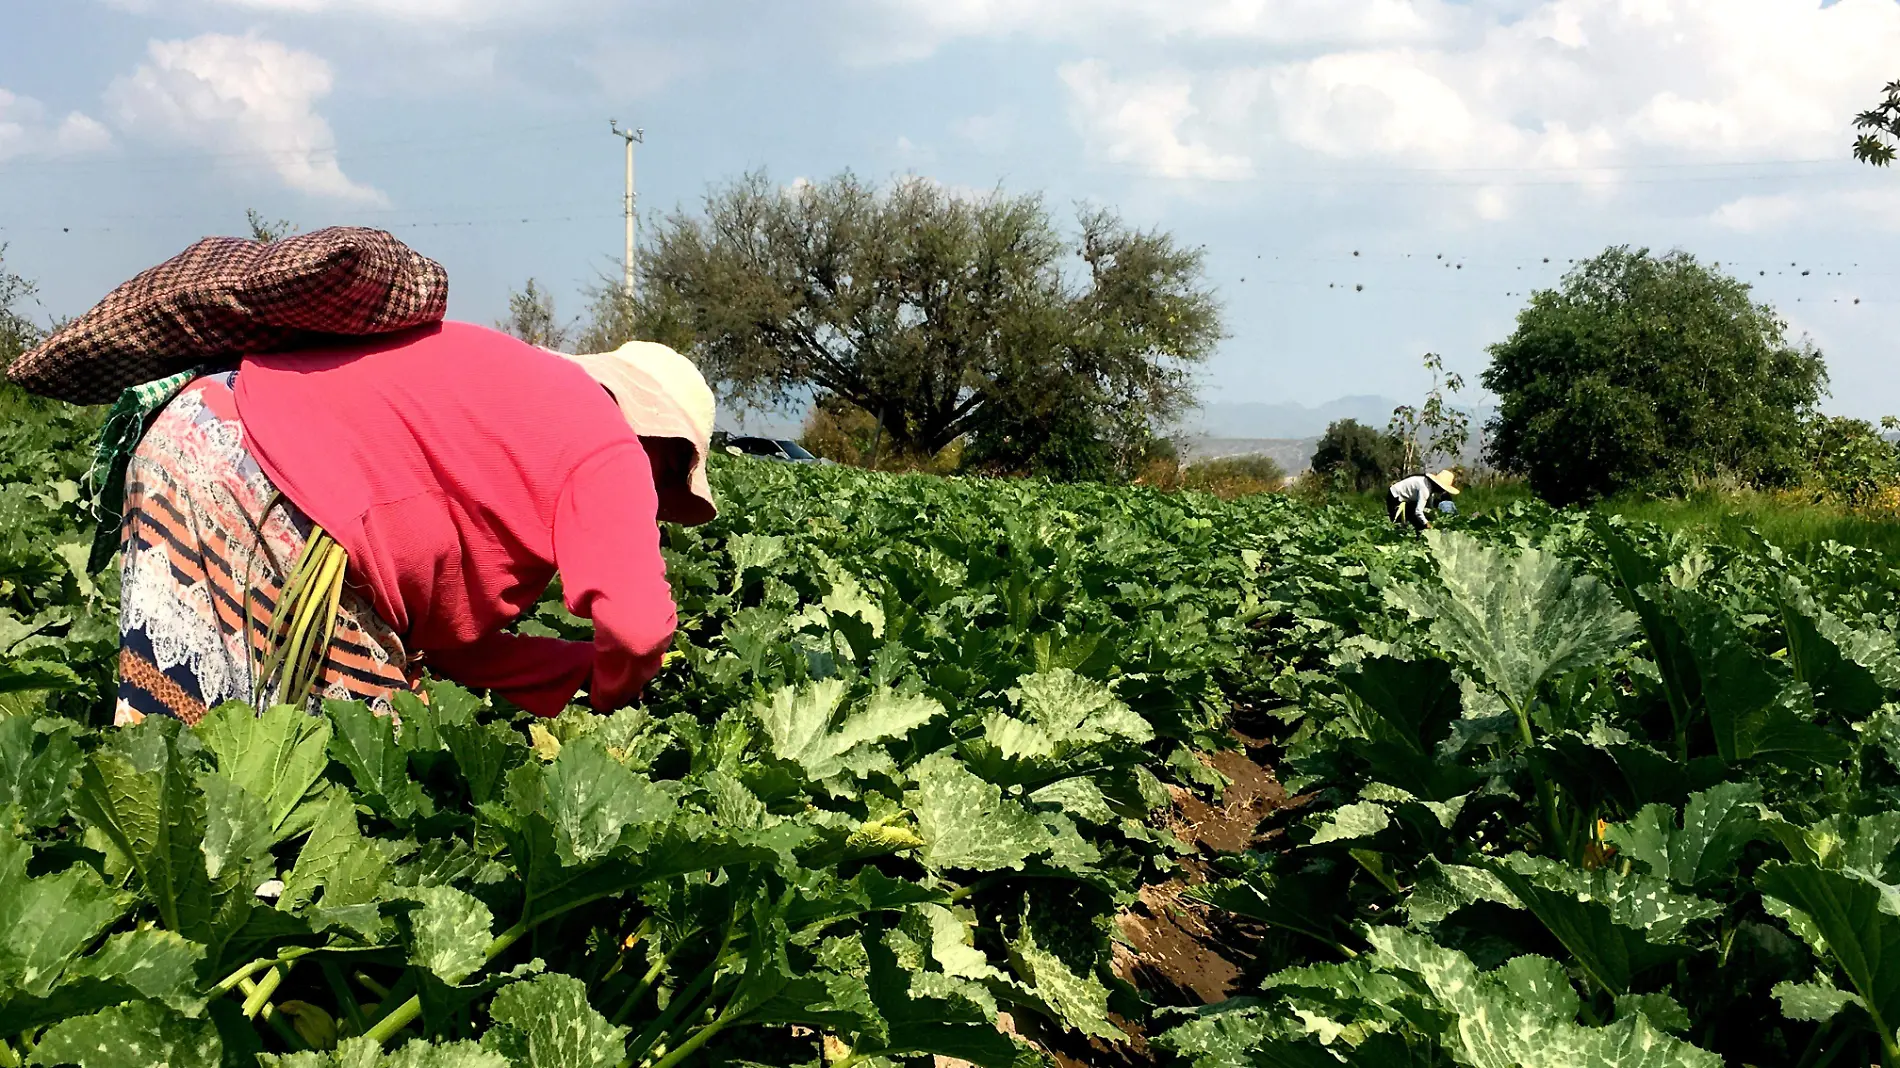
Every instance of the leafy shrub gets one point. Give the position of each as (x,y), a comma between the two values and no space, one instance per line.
(1651,373)
(1357,458)
(1848,460)
(1235,476)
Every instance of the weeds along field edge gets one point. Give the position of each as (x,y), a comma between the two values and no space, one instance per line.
(1569,791)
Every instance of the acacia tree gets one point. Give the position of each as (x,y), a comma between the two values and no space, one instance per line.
(940,315)
(531,318)
(1649,372)
(265,230)
(1435,428)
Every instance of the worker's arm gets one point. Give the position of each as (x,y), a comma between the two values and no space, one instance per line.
(1421,501)
(607,547)
(539,674)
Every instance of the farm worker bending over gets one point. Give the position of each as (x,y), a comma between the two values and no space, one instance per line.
(319,524)
(1411,499)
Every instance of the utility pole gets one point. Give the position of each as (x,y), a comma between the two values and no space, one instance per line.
(633,137)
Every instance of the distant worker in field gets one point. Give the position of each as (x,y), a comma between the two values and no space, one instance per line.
(1411,500)
(324,519)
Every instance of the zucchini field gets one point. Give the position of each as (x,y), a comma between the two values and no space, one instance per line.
(1004,773)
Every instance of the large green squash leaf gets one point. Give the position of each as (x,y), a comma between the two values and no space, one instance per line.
(805,728)
(1859,934)
(36,770)
(546,1022)
(590,800)
(1754,709)
(46,922)
(966,822)
(1617,927)
(276,756)
(1521,619)
(365,744)
(138,1035)
(1717,824)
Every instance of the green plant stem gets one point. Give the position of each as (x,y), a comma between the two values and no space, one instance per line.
(645,985)
(371,985)
(1560,842)
(345,997)
(661,1026)
(404,1014)
(224,985)
(259,993)
(700,1038)
(398,1018)
(269,1014)
(8,1058)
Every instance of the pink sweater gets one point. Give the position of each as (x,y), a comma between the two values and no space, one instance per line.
(459,468)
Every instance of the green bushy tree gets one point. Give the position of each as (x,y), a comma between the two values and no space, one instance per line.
(1848,459)
(1649,372)
(1358,457)
(17,332)
(531,318)
(946,316)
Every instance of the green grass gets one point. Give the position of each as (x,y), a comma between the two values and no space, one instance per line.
(1726,518)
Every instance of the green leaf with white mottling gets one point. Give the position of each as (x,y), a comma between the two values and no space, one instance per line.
(138,1035)
(46,922)
(237,829)
(1663,1011)
(1080,1001)
(805,728)
(1078,712)
(1358,820)
(1523,618)
(591,799)
(365,744)
(366,1053)
(450,933)
(1617,928)
(554,1024)
(1717,824)
(1856,933)
(333,835)
(966,822)
(752,552)
(1815,1002)
(36,770)
(1080,797)
(140,790)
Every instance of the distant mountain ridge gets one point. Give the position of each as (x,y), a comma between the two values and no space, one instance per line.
(1285,419)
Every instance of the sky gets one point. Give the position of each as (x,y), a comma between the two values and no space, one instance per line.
(1370,179)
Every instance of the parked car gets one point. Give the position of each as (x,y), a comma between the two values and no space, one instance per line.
(782,449)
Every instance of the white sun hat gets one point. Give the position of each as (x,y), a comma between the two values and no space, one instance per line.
(663,396)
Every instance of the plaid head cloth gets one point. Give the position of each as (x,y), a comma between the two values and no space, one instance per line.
(224,297)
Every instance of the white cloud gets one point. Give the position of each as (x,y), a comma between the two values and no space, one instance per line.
(1585,86)
(26,130)
(986,133)
(251,98)
(412,10)
(1751,214)
(1146,124)
(1845,209)
(911,29)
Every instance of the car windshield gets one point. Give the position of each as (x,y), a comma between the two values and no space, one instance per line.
(793,450)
